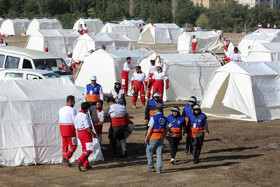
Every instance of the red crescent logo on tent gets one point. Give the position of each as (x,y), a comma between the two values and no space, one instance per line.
(153,25)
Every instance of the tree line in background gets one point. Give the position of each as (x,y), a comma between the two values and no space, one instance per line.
(230,17)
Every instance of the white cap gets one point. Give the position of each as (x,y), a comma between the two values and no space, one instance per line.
(159,65)
(93,78)
(175,109)
(196,107)
(118,82)
(192,99)
(156,94)
(69,53)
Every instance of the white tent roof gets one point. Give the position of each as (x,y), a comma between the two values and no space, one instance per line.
(160,33)
(132,22)
(131,31)
(245,91)
(259,36)
(107,66)
(207,40)
(14,26)
(188,73)
(93,25)
(45,24)
(29,126)
(264,52)
(59,41)
(87,42)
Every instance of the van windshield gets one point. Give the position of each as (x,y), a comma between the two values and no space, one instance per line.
(56,65)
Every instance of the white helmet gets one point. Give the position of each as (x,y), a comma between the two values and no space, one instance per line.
(159,65)
(69,53)
(156,94)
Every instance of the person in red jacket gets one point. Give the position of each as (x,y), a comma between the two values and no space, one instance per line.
(158,81)
(138,83)
(85,134)
(151,73)
(67,130)
(126,68)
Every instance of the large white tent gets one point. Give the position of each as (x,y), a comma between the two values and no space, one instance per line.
(264,52)
(132,22)
(107,66)
(59,41)
(244,91)
(188,73)
(45,24)
(29,126)
(131,31)
(257,37)
(206,40)
(93,25)
(87,42)
(14,26)
(160,33)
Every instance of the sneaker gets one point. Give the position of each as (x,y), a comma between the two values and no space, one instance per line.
(66,162)
(150,170)
(134,106)
(159,171)
(78,165)
(143,105)
(88,167)
(173,161)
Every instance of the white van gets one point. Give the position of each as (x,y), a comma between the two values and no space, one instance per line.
(21,58)
(27,74)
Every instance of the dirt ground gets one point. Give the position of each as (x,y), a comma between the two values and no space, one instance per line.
(236,153)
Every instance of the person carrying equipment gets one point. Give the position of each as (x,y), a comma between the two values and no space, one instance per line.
(197,128)
(174,136)
(150,111)
(188,109)
(67,130)
(158,125)
(138,83)
(85,134)
(151,73)
(125,72)
(158,81)
(93,91)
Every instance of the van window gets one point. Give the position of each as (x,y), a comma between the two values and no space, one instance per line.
(31,76)
(12,62)
(2,58)
(14,75)
(56,65)
(26,64)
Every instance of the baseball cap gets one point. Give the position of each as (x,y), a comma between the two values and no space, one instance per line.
(93,78)
(175,109)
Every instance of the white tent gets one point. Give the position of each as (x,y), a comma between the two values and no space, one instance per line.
(131,31)
(264,52)
(259,36)
(132,22)
(244,91)
(188,73)
(87,42)
(160,33)
(45,24)
(206,40)
(14,26)
(58,41)
(107,66)
(93,25)
(29,126)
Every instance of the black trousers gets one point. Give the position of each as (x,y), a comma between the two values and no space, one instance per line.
(197,145)
(173,143)
(189,146)
(115,134)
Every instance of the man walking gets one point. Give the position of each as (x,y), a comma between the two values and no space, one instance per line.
(138,83)
(151,73)
(93,91)
(150,111)
(67,130)
(154,139)
(126,68)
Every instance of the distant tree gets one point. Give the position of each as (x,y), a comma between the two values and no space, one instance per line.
(203,22)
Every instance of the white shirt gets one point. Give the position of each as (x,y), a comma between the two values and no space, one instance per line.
(152,122)
(219,32)
(3,44)
(141,77)
(97,116)
(152,69)
(82,121)
(160,75)
(116,95)
(69,61)
(80,29)
(226,42)
(235,57)
(67,115)
(260,25)
(194,40)
(85,28)
(126,66)
(116,110)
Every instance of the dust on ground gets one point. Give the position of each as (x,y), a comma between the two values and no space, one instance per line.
(236,153)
